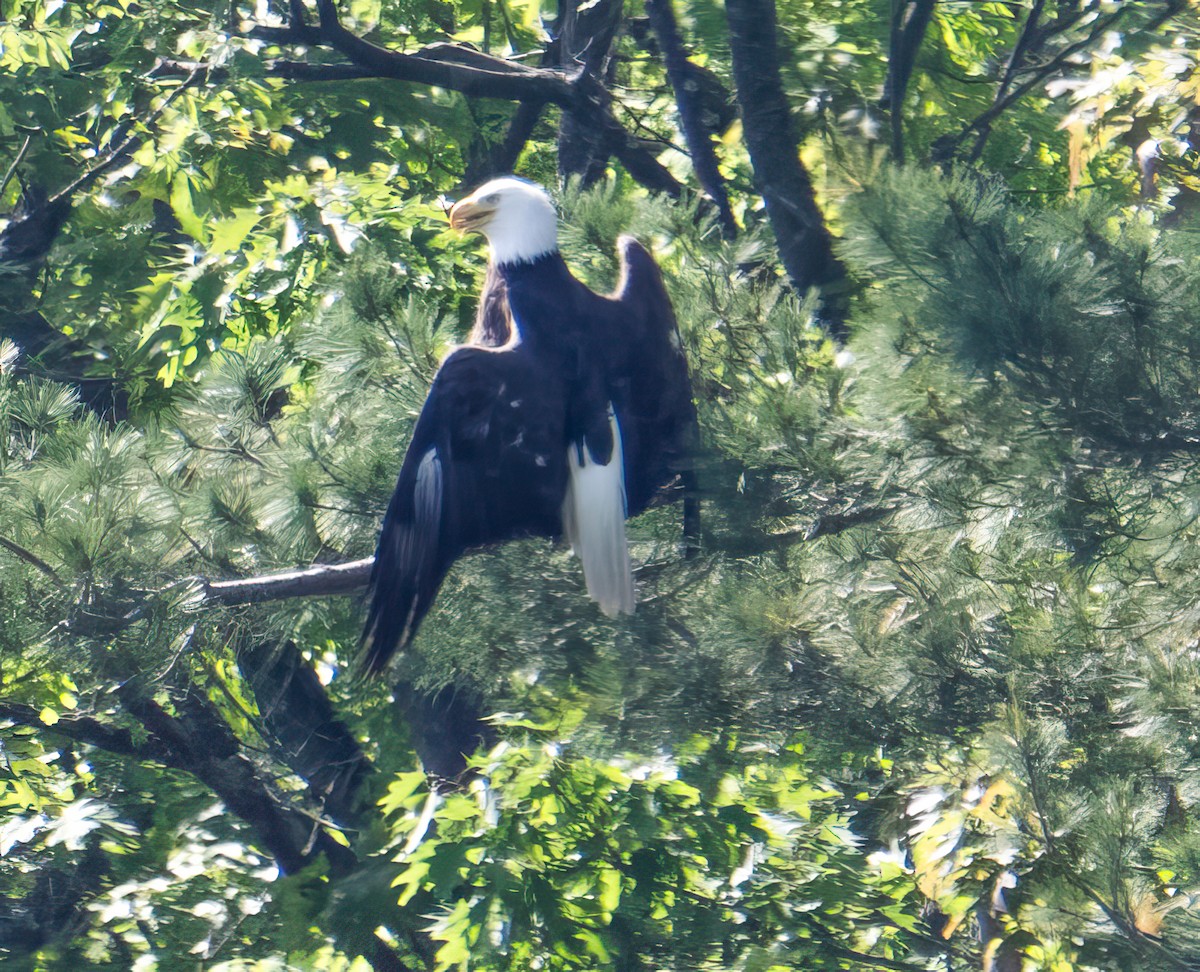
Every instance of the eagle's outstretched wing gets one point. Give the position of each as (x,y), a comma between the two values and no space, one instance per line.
(660,419)
(486,464)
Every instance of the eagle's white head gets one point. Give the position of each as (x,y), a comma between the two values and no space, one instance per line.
(516,216)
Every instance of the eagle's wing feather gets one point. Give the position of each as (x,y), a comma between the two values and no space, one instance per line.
(659,415)
(486,464)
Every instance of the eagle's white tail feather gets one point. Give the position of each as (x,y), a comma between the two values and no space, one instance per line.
(594,524)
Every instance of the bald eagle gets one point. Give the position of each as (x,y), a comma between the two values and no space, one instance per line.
(567,412)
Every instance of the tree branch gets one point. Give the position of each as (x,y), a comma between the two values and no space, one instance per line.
(308,582)
(584,35)
(123,147)
(12,169)
(198,741)
(1028,41)
(447,66)
(88,730)
(475,74)
(695,132)
(1009,92)
(502,157)
(309,739)
(910,20)
(32,559)
(805,245)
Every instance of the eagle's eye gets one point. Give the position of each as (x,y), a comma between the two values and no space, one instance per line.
(492,199)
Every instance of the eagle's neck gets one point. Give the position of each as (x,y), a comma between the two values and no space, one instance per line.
(541,297)
(544,267)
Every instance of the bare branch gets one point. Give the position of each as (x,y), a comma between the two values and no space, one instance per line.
(1030,41)
(308,582)
(196,739)
(123,147)
(478,75)
(447,66)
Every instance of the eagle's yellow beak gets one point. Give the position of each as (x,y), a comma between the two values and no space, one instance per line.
(471,215)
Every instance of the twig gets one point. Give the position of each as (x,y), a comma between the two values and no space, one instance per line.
(32,559)
(12,169)
(949,144)
(124,145)
(1026,42)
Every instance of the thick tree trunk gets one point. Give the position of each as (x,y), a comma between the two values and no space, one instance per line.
(805,246)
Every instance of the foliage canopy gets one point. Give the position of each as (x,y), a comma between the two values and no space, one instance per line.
(927,698)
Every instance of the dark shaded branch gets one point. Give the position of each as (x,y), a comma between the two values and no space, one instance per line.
(33,227)
(12,169)
(304,71)
(198,741)
(87,730)
(30,234)
(475,74)
(383,959)
(691,118)
(1030,39)
(717,108)
(502,157)
(447,66)
(32,559)
(349,578)
(309,739)
(123,147)
(584,34)
(910,20)
(446,725)
(805,245)
(1010,92)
